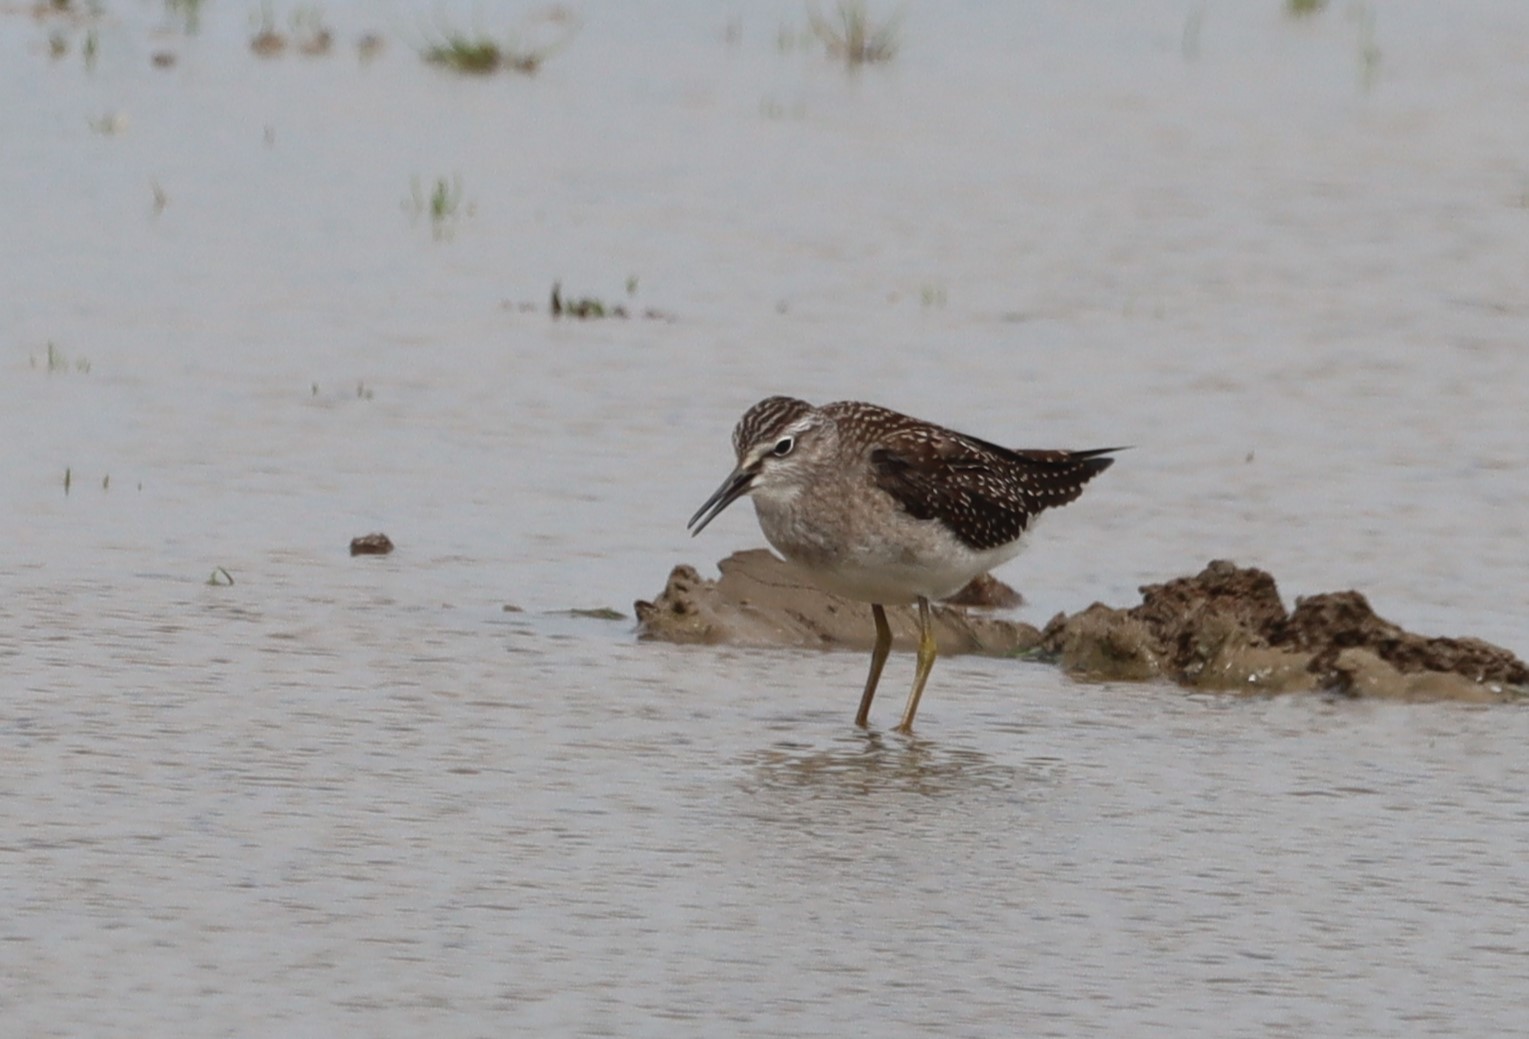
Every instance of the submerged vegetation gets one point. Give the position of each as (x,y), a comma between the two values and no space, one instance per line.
(442,204)
(188,13)
(54,361)
(464,54)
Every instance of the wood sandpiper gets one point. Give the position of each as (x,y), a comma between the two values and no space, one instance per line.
(890,510)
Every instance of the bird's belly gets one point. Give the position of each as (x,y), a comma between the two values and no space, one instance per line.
(878,557)
(896,581)
(925,562)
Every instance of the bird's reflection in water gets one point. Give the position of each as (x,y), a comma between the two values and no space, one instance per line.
(871,761)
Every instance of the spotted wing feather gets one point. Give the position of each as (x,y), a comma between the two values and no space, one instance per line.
(985,494)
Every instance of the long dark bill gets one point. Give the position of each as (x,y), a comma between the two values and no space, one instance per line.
(734,487)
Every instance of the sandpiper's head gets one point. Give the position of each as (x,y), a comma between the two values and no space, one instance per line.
(776,441)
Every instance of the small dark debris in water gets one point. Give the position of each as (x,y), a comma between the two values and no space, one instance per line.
(511,608)
(600,613)
(220,578)
(987,592)
(369,46)
(377,544)
(268,43)
(316,44)
(162,59)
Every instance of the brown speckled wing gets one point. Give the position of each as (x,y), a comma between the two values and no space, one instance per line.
(984,494)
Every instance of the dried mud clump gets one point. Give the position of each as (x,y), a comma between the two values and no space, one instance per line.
(376,544)
(761,601)
(1227,629)
(987,592)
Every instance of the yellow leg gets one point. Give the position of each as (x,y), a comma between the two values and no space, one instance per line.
(878,660)
(926,652)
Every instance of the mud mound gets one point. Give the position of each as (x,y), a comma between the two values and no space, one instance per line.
(1226,628)
(1223,629)
(761,601)
(1327,624)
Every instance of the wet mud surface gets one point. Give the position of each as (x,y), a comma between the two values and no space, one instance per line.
(1224,629)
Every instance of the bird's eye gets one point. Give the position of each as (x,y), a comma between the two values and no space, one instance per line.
(783,446)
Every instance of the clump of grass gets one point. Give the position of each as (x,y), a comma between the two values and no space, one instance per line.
(583,307)
(853,36)
(444,200)
(478,56)
(1304,8)
(589,308)
(481,54)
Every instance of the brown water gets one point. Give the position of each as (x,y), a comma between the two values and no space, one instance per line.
(356,796)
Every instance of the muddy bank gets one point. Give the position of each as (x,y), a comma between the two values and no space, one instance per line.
(761,601)
(1224,629)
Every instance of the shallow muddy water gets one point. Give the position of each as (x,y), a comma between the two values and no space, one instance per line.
(1286,260)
